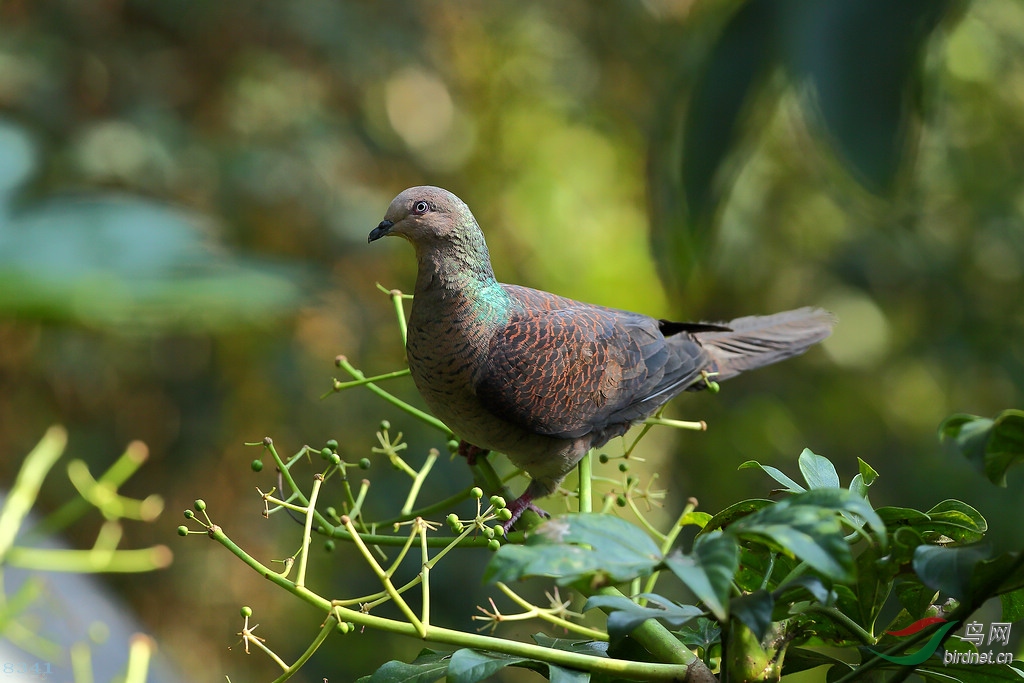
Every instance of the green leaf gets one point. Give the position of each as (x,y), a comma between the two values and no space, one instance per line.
(708,570)
(807,526)
(776,474)
(950,570)
(818,471)
(949,521)
(914,597)
(428,667)
(595,648)
(735,512)
(957,520)
(696,518)
(742,56)
(800,659)
(864,59)
(718,86)
(937,670)
(596,547)
(560,674)
(991,446)
(755,611)
(471,666)
(626,615)
(863,479)
(947,569)
(808,583)
(703,633)
(133,263)
(874,582)
(1013,605)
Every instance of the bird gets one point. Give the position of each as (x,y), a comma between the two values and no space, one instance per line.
(543,378)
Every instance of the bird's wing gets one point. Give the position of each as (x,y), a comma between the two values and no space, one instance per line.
(565,369)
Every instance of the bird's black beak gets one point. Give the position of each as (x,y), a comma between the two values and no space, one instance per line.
(383,228)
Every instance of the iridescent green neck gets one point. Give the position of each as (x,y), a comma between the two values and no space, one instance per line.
(458,269)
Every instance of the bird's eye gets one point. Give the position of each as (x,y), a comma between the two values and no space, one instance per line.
(420,208)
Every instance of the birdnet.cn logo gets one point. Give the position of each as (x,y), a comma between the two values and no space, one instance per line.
(998,633)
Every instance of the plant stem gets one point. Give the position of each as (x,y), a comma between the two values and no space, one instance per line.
(586,485)
(343,363)
(417,481)
(300,579)
(26,486)
(622,668)
(657,639)
(329,625)
(90,561)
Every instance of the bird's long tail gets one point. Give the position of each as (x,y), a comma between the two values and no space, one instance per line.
(758,340)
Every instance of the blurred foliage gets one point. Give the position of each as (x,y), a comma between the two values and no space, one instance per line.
(200,178)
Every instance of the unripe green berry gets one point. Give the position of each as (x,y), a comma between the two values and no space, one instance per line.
(493,545)
(489,531)
(603,458)
(246,611)
(620,501)
(332,444)
(453,446)
(335,459)
(256,465)
(476,492)
(200,505)
(343,627)
(326,453)
(329,545)
(385,425)
(364,463)
(623,467)
(189,514)
(504,514)
(498,502)
(183,530)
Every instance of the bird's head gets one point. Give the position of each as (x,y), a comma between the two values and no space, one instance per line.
(424,214)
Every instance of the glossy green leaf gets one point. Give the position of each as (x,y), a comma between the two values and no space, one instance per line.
(428,667)
(568,548)
(1012,605)
(561,674)
(708,570)
(625,615)
(818,471)
(755,611)
(968,573)
(776,474)
(863,479)
(807,526)
(706,123)
(864,61)
(472,666)
(741,58)
(991,446)
(735,512)
(948,521)
(595,648)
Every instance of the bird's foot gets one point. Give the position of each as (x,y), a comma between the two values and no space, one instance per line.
(471,452)
(517,507)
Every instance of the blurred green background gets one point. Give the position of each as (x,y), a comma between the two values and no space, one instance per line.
(186,188)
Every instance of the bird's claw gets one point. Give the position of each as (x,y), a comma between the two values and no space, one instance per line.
(471,452)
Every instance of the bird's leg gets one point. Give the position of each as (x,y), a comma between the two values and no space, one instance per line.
(471,452)
(525,502)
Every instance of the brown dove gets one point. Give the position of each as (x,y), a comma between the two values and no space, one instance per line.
(542,378)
